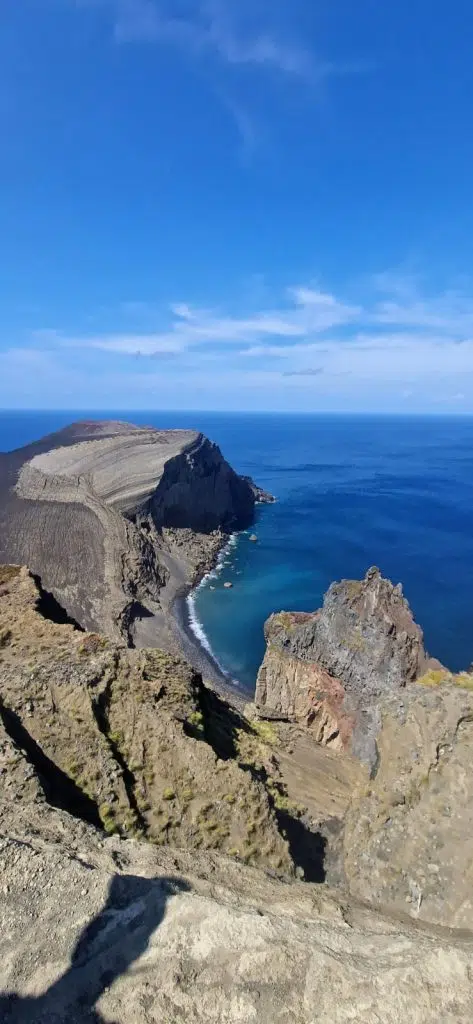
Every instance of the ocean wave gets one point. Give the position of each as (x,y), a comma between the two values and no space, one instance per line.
(194,621)
(198,630)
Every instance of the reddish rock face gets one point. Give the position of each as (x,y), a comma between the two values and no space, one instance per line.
(328,669)
(291,689)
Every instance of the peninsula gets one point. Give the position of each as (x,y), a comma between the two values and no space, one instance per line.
(119,522)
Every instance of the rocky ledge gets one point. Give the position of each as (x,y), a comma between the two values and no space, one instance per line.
(117,520)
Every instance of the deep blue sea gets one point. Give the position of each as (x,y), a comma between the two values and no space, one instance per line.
(352,491)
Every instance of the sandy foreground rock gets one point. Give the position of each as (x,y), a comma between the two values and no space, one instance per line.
(96,930)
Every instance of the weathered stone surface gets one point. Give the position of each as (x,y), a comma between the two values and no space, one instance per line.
(293,690)
(101,931)
(408,834)
(328,669)
(364,635)
(117,520)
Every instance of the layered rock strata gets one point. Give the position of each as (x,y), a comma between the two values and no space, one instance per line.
(116,520)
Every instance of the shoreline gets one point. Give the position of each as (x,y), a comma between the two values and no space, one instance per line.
(193,648)
(202,659)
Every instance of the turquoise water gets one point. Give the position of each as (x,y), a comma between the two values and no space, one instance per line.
(352,492)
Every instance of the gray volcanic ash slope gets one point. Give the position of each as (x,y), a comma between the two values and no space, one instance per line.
(118,519)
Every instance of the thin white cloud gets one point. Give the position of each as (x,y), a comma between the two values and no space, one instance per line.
(449,313)
(236,32)
(213,26)
(306,320)
(312,342)
(230,34)
(307,313)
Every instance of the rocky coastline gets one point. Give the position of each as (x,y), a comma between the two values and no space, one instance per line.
(168,854)
(120,523)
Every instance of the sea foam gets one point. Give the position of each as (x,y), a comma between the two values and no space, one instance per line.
(194,621)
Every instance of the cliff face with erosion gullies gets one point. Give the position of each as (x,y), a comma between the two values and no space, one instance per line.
(140,849)
(116,520)
(355,676)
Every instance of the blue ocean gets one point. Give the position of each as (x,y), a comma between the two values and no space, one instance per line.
(352,491)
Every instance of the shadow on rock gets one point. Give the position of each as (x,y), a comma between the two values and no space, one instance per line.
(107,947)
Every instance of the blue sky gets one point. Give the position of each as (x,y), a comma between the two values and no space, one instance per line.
(236,204)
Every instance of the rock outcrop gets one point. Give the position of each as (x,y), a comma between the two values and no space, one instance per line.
(117,520)
(129,740)
(328,669)
(407,839)
(357,677)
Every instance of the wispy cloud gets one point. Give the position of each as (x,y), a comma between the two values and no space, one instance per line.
(264,36)
(408,345)
(309,372)
(218,27)
(306,318)
(305,313)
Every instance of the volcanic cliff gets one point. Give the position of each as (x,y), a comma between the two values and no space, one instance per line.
(117,520)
